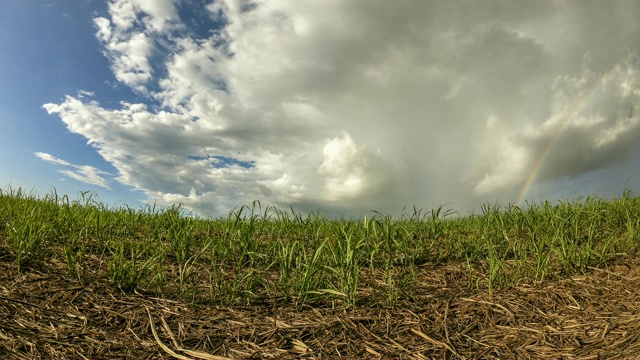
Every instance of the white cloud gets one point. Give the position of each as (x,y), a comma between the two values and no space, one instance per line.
(352,171)
(434,102)
(83,93)
(52,159)
(83,173)
(129,54)
(130,37)
(159,15)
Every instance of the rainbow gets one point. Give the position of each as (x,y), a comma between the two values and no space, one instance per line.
(576,107)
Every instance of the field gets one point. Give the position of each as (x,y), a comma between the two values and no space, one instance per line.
(545,280)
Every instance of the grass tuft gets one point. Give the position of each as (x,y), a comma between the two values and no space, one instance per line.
(270,255)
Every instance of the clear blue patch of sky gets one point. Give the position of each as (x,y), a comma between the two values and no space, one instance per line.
(49,50)
(197,18)
(224,161)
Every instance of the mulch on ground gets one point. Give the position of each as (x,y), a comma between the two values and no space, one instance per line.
(47,314)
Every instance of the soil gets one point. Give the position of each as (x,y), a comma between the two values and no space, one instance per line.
(48,314)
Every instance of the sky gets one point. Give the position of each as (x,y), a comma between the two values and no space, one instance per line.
(336,106)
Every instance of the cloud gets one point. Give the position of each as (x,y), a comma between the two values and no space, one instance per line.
(594,123)
(132,34)
(359,106)
(83,93)
(352,171)
(83,173)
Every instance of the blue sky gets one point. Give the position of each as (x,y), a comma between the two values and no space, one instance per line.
(49,50)
(344,107)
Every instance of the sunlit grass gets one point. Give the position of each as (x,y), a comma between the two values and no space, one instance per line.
(265,254)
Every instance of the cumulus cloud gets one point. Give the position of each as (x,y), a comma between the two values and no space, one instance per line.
(352,171)
(131,34)
(356,106)
(83,173)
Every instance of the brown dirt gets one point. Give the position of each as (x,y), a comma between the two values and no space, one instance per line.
(47,314)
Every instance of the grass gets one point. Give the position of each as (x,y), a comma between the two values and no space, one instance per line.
(266,257)
(263,254)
